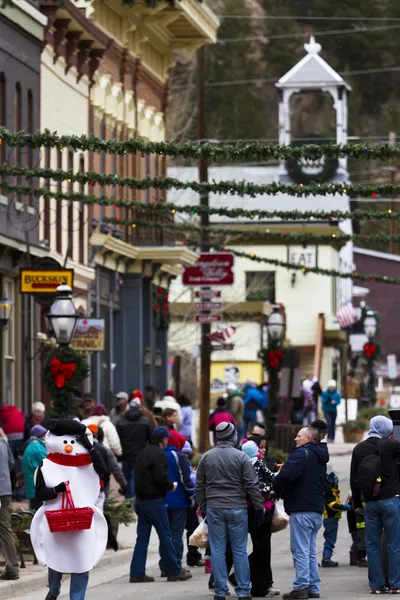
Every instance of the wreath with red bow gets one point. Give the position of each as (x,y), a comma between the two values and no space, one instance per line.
(161,309)
(63,375)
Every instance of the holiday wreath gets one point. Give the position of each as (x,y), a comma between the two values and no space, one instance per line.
(63,374)
(295,168)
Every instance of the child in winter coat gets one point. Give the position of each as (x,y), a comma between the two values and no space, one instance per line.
(260,558)
(178,501)
(333,509)
(220,415)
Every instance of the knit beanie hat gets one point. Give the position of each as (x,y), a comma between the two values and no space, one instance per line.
(137,394)
(225,431)
(250,448)
(38,431)
(170,393)
(187,448)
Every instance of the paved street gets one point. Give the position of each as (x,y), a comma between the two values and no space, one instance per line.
(112,582)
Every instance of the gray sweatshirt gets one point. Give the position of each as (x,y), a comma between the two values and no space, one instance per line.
(6,465)
(224,476)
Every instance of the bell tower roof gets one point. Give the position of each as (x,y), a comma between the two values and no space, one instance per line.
(312,72)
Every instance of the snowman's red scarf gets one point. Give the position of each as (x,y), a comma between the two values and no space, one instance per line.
(79,460)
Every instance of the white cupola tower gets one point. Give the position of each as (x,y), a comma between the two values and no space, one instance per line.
(314,73)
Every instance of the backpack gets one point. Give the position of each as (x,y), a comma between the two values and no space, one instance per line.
(368,478)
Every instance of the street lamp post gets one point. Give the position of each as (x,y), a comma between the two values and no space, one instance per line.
(65,369)
(63,316)
(5,314)
(371,351)
(272,358)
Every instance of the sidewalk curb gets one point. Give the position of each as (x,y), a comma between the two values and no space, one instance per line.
(31,583)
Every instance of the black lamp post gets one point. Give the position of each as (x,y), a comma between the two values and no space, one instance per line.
(5,312)
(272,358)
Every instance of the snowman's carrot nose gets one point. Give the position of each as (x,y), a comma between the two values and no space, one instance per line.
(68,448)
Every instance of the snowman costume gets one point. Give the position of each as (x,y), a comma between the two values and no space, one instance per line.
(82,466)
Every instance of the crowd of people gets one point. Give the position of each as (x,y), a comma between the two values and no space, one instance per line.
(238,488)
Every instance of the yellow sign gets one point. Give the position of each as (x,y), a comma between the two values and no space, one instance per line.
(39,281)
(89,335)
(236,372)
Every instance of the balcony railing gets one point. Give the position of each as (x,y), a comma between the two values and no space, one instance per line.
(161,235)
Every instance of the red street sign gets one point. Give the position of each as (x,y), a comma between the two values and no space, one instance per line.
(207,305)
(219,347)
(206,294)
(212,268)
(204,319)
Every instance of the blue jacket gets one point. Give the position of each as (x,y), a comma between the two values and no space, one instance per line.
(327,398)
(179,471)
(253,401)
(301,482)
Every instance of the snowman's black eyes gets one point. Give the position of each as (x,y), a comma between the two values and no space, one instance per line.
(72,441)
(65,442)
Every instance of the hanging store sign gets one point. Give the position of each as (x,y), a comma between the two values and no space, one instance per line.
(40,281)
(89,335)
(207,306)
(205,319)
(212,268)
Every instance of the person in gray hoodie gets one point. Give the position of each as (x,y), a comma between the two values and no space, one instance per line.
(382,506)
(224,476)
(7,542)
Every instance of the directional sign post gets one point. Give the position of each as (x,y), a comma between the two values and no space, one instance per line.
(203,319)
(207,306)
(207,294)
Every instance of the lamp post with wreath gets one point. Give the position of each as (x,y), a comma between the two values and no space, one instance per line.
(371,351)
(65,369)
(272,357)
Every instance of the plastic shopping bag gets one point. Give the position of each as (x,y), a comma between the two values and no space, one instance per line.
(199,536)
(280,520)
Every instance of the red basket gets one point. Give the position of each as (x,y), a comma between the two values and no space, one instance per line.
(69,518)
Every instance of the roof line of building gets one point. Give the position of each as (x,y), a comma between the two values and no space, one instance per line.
(376,254)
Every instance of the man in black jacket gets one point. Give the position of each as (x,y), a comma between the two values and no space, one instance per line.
(151,485)
(381,512)
(134,432)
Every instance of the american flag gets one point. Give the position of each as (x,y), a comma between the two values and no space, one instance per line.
(346,315)
(222,335)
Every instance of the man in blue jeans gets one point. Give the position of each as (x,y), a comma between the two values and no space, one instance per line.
(224,476)
(381,511)
(151,485)
(301,483)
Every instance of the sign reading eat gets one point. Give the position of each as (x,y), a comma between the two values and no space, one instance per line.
(212,268)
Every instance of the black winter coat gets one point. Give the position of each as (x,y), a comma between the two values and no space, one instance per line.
(151,474)
(134,432)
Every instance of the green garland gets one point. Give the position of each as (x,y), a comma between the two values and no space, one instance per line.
(161,310)
(240,188)
(165,207)
(245,233)
(296,170)
(316,270)
(63,397)
(239,151)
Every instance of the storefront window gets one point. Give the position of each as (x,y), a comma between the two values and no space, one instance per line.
(9,346)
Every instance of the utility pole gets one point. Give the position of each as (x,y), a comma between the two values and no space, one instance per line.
(393,173)
(205,349)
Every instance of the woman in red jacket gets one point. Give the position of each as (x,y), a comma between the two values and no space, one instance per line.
(220,415)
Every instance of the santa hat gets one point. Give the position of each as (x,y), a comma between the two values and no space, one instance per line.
(170,393)
(137,394)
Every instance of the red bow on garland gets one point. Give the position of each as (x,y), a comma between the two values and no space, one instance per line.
(370,350)
(274,358)
(61,372)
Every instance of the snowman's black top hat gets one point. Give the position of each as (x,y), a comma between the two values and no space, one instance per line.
(66,427)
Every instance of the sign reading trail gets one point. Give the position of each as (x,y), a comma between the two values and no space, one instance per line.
(212,268)
(89,335)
